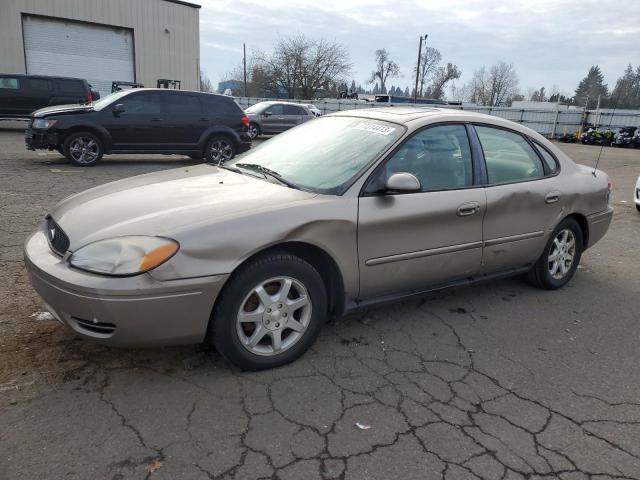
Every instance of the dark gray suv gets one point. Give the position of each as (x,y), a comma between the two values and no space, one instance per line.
(275,117)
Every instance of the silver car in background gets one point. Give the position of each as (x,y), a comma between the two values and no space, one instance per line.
(266,118)
(350,210)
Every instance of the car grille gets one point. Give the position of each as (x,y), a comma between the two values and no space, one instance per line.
(58,240)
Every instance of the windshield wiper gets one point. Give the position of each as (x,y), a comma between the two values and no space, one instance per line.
(240,171)
(267,172)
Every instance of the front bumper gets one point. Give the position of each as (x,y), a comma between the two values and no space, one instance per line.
(39,139)
(598,225)
(131,311)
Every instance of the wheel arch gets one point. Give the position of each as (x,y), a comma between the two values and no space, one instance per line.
(102,134)
(584,226)
(215,131)
(320,259)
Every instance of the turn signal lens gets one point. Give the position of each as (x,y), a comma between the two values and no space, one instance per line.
(124,256)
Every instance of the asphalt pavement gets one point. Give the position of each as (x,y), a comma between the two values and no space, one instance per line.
(496,381)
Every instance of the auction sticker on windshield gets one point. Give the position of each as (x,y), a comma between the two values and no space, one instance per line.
(375,128)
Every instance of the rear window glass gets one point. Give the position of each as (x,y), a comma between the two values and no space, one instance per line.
(182,105)
(39,84)
(71,86)
(9,83)
(291,110)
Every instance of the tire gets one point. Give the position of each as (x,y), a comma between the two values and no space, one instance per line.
(541,275)
(220,149)
(83,149)
(269,317)
(254,130)
(638,207)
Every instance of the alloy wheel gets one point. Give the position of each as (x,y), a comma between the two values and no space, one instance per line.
(220,151)
(274,316)
(562,254)
(252,131)
(84,150)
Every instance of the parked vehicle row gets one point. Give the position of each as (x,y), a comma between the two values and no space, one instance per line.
(346,211)
(143,120)
(275,117)
(20,95)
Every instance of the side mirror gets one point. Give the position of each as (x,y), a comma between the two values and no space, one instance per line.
(266,114)
(402,182)
(118,109)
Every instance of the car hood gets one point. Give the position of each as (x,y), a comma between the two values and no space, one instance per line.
(167,203)
(62,110)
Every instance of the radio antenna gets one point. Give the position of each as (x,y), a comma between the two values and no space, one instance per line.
(613,112)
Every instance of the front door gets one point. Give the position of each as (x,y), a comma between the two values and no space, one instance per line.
(410,242)
(524,199)
(139,126)
(272,119)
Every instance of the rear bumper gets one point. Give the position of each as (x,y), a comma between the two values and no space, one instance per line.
(133,311)
(245,143)
(39,139)
(598,225)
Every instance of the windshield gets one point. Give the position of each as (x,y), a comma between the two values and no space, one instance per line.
(257,108)
(323,155)
(108,100)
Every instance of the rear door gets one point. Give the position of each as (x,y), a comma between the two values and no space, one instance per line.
(67,91)
(413,241)
(139,127)
(183,120)
(524,200)
(12,96)
(292,116)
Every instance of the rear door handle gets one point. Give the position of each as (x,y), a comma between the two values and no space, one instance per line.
(469,208)
(552,197)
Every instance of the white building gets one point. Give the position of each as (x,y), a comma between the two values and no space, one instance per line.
(102,40)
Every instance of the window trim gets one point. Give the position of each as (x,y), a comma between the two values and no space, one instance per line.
(475,179)
(537,145)
(526,139)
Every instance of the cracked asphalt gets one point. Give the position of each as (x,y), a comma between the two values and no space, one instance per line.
(497,381)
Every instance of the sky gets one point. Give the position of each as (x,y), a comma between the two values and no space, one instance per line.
(550,42)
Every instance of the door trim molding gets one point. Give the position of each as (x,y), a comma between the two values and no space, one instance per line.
(513,238)
(423,253)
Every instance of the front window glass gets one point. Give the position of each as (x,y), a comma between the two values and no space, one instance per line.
(508,156)
(9,83)
(439,157)
(275,110)
(325,155)
(142,104)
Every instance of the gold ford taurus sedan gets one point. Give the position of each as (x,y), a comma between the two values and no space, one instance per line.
(344,211)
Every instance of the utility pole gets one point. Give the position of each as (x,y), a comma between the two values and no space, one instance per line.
(415,92)
(244,67)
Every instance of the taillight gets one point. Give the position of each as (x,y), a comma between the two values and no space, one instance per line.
(89,97)
(245,121)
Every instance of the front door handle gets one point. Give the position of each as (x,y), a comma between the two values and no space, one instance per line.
(469,208)
(552,197)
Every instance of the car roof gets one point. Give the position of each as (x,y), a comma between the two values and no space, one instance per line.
(51,77)
(416,117)
(172,90)
(281,102)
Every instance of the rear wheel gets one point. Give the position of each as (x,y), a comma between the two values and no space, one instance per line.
(83,149)
(638,207)
(220,149)
(269,313)
(561,257)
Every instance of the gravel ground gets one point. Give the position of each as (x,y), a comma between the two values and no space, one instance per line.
(498,381)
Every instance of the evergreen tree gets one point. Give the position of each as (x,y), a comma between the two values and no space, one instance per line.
(591,87)
(376,89)
(626,93)
(353,86)
(406,91)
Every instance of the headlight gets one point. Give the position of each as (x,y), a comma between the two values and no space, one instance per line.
(43,123)
(124,256)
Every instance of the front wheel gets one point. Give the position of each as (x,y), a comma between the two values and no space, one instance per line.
(269,313)
(559,262)
(253,131)
(83,149)
(219,150)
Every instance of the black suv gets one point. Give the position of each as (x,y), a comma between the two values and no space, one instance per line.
(143,120)
(22,94)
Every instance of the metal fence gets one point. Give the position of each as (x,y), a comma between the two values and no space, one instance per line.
(548,122)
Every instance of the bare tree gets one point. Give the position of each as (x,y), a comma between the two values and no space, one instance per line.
(300,66)
(496,86)
(205,83)
(429,61)
(385,69)
(441,77)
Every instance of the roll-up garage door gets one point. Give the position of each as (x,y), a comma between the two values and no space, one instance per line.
(97,53)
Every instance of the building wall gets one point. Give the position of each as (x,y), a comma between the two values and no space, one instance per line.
(158,54)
